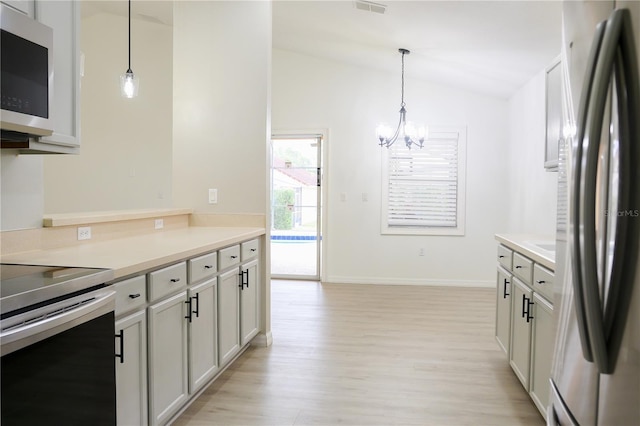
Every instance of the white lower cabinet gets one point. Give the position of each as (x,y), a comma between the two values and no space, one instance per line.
(168,383)
(503,309)
(520,354)
(249,295)
(203,350)
(542,342)
(131,369)
(228,315)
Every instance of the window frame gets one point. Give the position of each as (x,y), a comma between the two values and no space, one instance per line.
(459,229)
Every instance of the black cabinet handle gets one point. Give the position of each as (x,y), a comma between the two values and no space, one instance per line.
(243,282)
(188,302)
(540,282)
(234,257)
(501,256)
(518,266)
(529,316)
(174,280)
(197,311)
(524,305)
(504,290)
(121,354)
(134,296)
(208,266)
(254,249)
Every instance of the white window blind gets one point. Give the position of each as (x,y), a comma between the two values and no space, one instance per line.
(424,188)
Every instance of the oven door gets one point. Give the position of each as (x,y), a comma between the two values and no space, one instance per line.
(58,363)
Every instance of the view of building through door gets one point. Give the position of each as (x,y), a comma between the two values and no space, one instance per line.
(296,194)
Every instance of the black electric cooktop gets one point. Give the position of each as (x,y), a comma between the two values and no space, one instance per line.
(25,285)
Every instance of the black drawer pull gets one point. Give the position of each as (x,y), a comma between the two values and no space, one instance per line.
(518,266)
(134,296)
(174,280)
(501,256)
(189,311)
(254,249)
(541,282)
(208,266)
(234,257)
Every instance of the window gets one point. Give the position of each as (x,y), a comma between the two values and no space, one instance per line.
(423,189)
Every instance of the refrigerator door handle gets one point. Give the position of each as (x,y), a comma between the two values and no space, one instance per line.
(615,55)
(623,270)
(575,199)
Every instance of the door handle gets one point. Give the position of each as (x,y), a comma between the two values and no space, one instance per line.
(189,312)
(504,289)
(197,299)
(121,354)
(575,200)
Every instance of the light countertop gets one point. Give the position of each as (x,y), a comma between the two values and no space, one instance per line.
(530,246)
(127,256)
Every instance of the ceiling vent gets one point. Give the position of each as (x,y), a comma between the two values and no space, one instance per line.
(370,6)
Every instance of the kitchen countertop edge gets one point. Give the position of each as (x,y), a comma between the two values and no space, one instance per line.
(522,244)
(139,254)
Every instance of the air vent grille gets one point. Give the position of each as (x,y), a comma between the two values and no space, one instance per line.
(369,6)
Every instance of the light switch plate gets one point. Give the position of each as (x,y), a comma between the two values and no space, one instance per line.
(213,196)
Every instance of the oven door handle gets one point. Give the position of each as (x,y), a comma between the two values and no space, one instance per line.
(13,339)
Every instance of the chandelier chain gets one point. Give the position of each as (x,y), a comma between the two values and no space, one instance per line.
(402,104)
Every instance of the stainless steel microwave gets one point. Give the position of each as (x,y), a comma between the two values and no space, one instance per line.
(27,74)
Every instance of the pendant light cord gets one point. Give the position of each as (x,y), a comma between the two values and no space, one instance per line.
(129,70)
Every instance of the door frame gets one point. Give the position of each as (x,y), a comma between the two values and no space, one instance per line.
(324,155)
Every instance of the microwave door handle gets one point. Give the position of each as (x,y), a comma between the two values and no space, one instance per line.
(575,200)
(618,298)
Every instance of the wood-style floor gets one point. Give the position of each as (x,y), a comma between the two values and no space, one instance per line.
(371,355)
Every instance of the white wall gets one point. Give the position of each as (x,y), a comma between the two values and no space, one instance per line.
(312,93)
(222,59)
(533,190)
(22,200)
(125,155)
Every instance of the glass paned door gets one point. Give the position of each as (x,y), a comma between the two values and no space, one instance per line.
(296,174)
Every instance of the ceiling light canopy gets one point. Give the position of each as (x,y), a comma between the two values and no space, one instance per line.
(406,130)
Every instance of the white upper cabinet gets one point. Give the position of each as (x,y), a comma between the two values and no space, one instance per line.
(64,18)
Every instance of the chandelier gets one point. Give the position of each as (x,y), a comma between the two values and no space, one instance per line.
(406,131)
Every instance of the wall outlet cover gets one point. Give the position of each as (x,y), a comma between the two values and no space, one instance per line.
(159,224)
(84,233)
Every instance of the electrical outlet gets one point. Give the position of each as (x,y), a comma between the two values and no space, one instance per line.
(84,233)
(421,252)
(159,223)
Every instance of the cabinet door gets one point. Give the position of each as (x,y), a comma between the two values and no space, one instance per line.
(228,316)
(131,369)
(249,296)
(25,6)
(64,18)
(203,345)
(503,310)
(167,357)
(542,342)
(520,355)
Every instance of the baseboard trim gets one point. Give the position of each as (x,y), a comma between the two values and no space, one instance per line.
(410,281)
(263,339)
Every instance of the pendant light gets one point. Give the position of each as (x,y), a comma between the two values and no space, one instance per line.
(406,130)
(129,81)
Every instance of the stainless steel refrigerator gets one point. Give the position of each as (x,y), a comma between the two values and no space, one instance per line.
(595,377)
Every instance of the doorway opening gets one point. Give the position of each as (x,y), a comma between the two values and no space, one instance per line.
(296,206)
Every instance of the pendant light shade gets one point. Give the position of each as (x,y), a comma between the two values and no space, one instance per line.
(129,82)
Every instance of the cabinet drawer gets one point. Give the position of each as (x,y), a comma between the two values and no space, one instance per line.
(522,267)
(250,249)
(505,256)
(130,294)
(167,280)
(202,267)
(229,257)
(543,281)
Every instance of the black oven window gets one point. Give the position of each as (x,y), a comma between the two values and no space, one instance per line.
(25,76)
(67,379)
